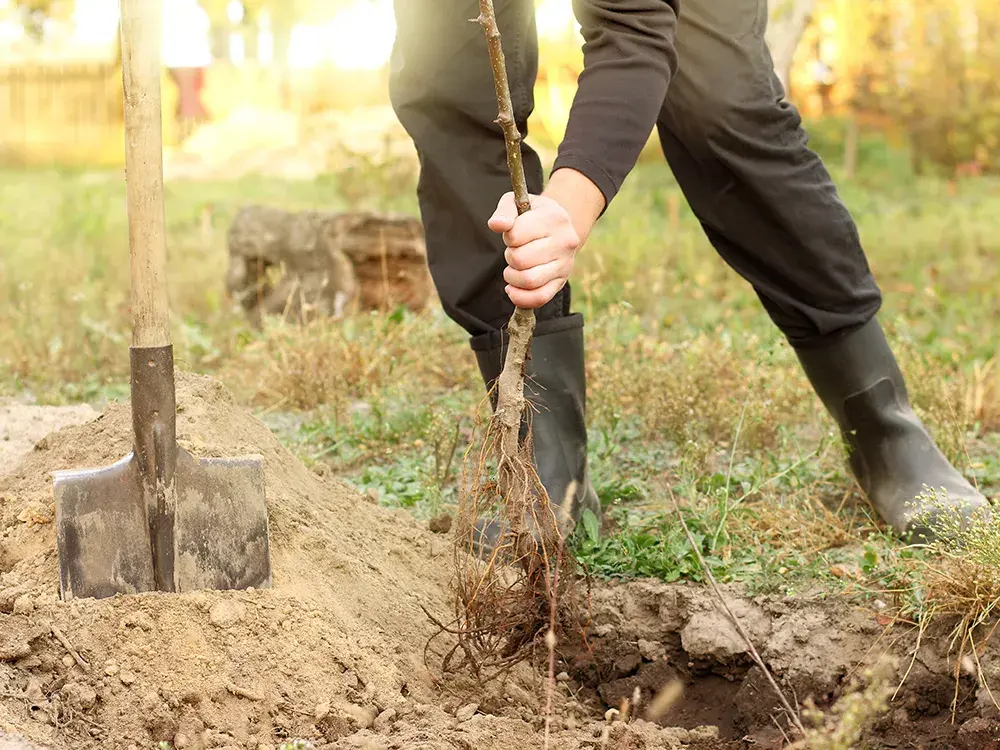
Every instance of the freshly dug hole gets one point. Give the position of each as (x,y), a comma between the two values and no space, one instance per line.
(646,635)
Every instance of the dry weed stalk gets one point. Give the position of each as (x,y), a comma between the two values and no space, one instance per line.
(844,727)
(793,715)
(509,601)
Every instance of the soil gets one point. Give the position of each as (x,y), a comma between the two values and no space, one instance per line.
(334,652)
(22,425)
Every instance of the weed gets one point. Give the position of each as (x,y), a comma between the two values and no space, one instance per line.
(844,726)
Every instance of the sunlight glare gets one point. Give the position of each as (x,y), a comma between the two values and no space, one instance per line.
(359,37)
(186,35)
(362,35)
(95,21)
(555,19)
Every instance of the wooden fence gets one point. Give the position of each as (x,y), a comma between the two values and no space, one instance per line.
(71,113)
(60,113)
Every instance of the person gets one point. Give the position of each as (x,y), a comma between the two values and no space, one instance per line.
(700,72)
(187,54)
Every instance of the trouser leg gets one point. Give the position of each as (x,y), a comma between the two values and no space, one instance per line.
(766,201)
(442,90)
(771,210)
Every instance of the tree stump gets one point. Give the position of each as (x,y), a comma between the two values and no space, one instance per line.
(311,264)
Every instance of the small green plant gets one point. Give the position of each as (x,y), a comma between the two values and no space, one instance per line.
(296,745)
(844,726)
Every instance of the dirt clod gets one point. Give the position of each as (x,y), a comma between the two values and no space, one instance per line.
(711,634)
(441,524)
(384,720)
(139,620)
(224,614)
(79,696)
(14,649)
(467,712)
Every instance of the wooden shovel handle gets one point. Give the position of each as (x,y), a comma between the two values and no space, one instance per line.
(141,24)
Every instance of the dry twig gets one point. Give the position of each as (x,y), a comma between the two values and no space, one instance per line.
(69,647)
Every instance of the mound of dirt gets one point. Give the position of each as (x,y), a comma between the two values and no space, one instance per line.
(333,653)
(343,626)
(22,425)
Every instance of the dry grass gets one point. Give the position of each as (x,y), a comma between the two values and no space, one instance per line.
(335,362)
(961,578)
(698,390)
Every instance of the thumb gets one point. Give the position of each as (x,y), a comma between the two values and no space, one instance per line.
(504,217)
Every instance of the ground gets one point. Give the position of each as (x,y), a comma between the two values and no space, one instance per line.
(692,394)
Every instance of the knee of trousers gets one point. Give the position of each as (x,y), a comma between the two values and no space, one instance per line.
(734,109)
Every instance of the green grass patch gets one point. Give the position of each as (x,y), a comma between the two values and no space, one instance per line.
(692,391)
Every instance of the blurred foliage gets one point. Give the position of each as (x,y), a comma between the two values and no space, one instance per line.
(281,11)
(931,67)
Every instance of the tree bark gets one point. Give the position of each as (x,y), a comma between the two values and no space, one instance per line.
(510,386)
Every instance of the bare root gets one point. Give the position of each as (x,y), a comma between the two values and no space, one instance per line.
(514,597)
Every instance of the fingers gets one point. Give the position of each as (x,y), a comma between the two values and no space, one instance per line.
(544,218)
(541,246)
(534,225)
(535,298)
(506,214)
(536,253)
(537,277)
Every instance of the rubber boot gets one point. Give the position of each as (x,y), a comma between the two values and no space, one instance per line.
(555,386)
(890,452)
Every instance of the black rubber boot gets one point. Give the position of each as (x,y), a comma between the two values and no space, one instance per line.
(893,457)
(555,385)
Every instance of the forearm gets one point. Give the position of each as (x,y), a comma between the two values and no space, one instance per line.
(579,196)
(629,59)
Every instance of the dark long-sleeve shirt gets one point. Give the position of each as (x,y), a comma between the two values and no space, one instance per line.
(629,59)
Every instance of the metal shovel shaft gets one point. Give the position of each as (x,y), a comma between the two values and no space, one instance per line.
(154,424)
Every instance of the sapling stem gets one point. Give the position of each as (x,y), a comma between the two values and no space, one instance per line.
(510,405)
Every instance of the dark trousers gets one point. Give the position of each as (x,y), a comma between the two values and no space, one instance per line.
(738,151)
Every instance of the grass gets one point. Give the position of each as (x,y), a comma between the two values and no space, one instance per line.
(692,390)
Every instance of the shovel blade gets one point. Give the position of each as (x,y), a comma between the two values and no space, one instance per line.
(220,537)
(220,527)
(101,531)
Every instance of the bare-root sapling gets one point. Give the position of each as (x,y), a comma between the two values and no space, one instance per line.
(510,594)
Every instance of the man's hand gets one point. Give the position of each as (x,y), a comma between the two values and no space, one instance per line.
(542,244)
(541,248)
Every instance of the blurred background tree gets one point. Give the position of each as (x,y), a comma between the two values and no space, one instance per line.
(925,70)
(930,67)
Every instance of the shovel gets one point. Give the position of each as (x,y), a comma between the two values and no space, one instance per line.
(159,519)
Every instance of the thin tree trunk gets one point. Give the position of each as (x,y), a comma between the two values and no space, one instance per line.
(787,24)
(513,475)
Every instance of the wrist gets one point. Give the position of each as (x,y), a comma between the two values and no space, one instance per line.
(579,197)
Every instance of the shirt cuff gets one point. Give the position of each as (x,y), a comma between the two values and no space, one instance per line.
(592,171)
